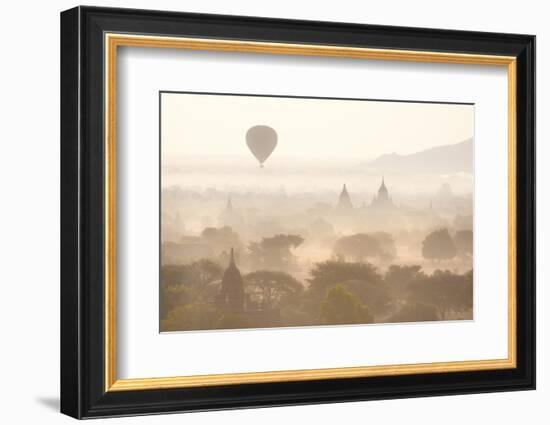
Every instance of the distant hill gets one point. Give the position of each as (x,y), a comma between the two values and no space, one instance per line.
(441,159)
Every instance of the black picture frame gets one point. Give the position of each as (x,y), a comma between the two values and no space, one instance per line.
(83,392)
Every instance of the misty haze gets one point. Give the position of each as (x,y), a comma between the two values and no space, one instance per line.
(279,212)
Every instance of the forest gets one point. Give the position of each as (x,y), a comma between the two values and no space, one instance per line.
(360,282)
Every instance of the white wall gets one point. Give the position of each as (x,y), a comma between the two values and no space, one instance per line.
(29,225)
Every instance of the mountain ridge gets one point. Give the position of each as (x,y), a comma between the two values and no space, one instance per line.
(453,158)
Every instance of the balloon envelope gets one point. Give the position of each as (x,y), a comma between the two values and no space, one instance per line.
(261,140)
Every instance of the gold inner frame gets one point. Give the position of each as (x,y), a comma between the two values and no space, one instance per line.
(113,41)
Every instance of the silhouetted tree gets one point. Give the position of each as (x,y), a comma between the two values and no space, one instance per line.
(329,273)
(342,307)
(274,252)
(296,316)
(360,278)
(358,247)
(188,283)
(172,296)
(444,290)
(222,239)
(415,312)
(190,317)
(172,274)
(374,295)
(464,241)
(388,250)
(200,275)
(398,279)
(438,245)
(273,288)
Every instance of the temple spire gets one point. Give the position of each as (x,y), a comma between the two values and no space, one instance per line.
(383,191)
(382,198)
(383,184)
(344,201)
(232,289)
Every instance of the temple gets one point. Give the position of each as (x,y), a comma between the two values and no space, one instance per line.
(344,201)
(233,300)
(382,200)
(230,217)
(232,290)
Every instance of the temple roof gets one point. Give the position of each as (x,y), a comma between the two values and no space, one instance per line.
(383,188)
(344,200)
(232,280)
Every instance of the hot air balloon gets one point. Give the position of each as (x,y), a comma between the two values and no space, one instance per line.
(261,140)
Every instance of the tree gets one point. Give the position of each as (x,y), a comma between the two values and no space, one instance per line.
(172,296)
(199,277)
(398,279)
(172,274)
(357,247)
(342,307)
(415,312)
(388,251)
(190,317)
(188,283)
(446,291)
(273,289)
(464,241)
(438,245)
(296,316)
(172,288)
(328,273)
(359,277)
(222,239)
(275,252)
(374,295)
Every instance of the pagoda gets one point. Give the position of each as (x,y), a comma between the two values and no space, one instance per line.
(232,290)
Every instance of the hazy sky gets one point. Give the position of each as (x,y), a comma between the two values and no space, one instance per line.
(204,125)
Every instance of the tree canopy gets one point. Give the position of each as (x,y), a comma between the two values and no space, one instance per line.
(387,245)
(193,281)
(191,316)
(337,291)
(361,279)
(275,252)
(438,245)
(398,278)
(272,289)
(445,290)
(327,273)
(415,312)
(222,239)
(464,241)
(342,307)
(357,247)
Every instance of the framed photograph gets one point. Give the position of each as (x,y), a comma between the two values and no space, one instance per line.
(261,212)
